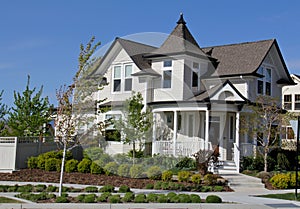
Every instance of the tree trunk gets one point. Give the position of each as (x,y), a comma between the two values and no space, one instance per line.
(62,169)
(266,161)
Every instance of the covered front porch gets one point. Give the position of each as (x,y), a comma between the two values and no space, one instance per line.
(182,131)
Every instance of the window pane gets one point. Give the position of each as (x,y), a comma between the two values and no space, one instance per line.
(128,70)
(117,85)
(167,79)
(117,72)
(297,97)
(288,98)
(195,80)
(128,84)
(268,88)
(260,87)
(260,71)
(168,63)
(268,75)
(287,106)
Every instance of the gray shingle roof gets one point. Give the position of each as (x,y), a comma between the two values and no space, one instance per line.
(238,59)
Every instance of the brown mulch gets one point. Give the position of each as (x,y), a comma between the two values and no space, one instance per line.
(36,175)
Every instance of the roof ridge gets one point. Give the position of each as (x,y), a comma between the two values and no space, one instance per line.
(128,40)
(241,43)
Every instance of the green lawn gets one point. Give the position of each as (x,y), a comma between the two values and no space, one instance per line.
(285,196)
(7,200)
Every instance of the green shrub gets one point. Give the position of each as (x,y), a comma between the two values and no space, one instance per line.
(62,200)
(183,176)
(165,185)
(39,188)
(151,197)
(136,171)
(154,173)
(111,168)
(162,199)
(137,154)
(25,188)
(123,170)
(206,188)
(32,162)
(41,162)
(218,188)
(167,176)
(96,169)
(51,164)
(91,189)
(104,196)
(90,198)
(213,199)
(3,188)
(157,185)
(114,199)
(186,163)
(174,186)
(283,162)
(210,179)
(140,198)
(128,197)
(124,189)
(52,188)
(281,180)
(195,198)
(84,166)
(12,188)
(149,186)
(170,195)
(71,166)
(80,197)
(107,188)
(184,198)
(196,178)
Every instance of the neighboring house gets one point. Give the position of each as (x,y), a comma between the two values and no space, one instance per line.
(291,103)
(196,95)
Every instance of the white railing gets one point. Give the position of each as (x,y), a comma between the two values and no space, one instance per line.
(182,148)
(8,140)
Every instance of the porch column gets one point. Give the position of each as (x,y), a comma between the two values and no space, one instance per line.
(154,151)
(175,132)
(237,142)
(206,129)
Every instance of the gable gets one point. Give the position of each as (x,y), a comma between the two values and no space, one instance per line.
(228,94)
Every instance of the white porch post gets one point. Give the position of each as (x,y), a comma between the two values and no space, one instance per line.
(175,132)
(154,151)
(206,129)
(237,142)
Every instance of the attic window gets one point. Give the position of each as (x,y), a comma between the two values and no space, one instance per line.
(117,78)
(168,63)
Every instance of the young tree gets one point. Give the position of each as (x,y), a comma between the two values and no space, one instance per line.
(76,103)
(30,112)
(136,123)
(3,112)
(265,122)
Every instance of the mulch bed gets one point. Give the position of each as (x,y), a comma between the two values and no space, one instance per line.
(36,175)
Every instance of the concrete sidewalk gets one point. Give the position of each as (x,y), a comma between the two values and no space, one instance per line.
(246,188)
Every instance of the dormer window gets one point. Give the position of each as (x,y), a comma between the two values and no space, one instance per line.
(122,80)
(195,77)
(117,79)
(168,63)
(128,79)
(264,86)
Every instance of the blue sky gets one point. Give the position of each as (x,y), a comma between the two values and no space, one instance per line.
(42,38)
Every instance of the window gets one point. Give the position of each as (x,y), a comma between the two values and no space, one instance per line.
(264,84)
(268,89)
(195,79)
(260,87)
(128,79)
(195,65)
(167,79)
(268,79)
(287,103)
(168,63)
(117,78)
(297,101)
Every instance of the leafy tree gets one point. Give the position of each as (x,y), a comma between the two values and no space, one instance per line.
(3,112)
(136,123)
(265,122)
(30,112)
(76,103)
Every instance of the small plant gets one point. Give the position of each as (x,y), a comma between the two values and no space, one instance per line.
(162,199)
(123,170)
(71,166)
(62,199)
(25,188)
(167,176)
(107,188)
(213,199)
(90,198)
(128,197)
(80,197)
(51,188)
(51,164)
(140,198)
(124,189)
(103,197)
(136,171)
(39,188)
(184,176)
(184,198)
(154,172)
(32,162)
(152,197)
(84,166)
(91,189)
(157,185)
(96,169)
(111,168)
(281,181)
(149,186)
(114,199)
(206,188)
(195,198)
(210,179)
(196,178)
(218,188)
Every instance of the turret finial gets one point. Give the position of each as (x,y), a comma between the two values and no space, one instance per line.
(181,20)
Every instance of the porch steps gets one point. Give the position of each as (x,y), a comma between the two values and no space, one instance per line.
(227,167)
(241,182)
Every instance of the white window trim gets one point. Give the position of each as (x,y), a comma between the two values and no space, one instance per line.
(196,70)
(264,79)
(123,77)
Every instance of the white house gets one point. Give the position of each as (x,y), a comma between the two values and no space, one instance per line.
(196,94)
